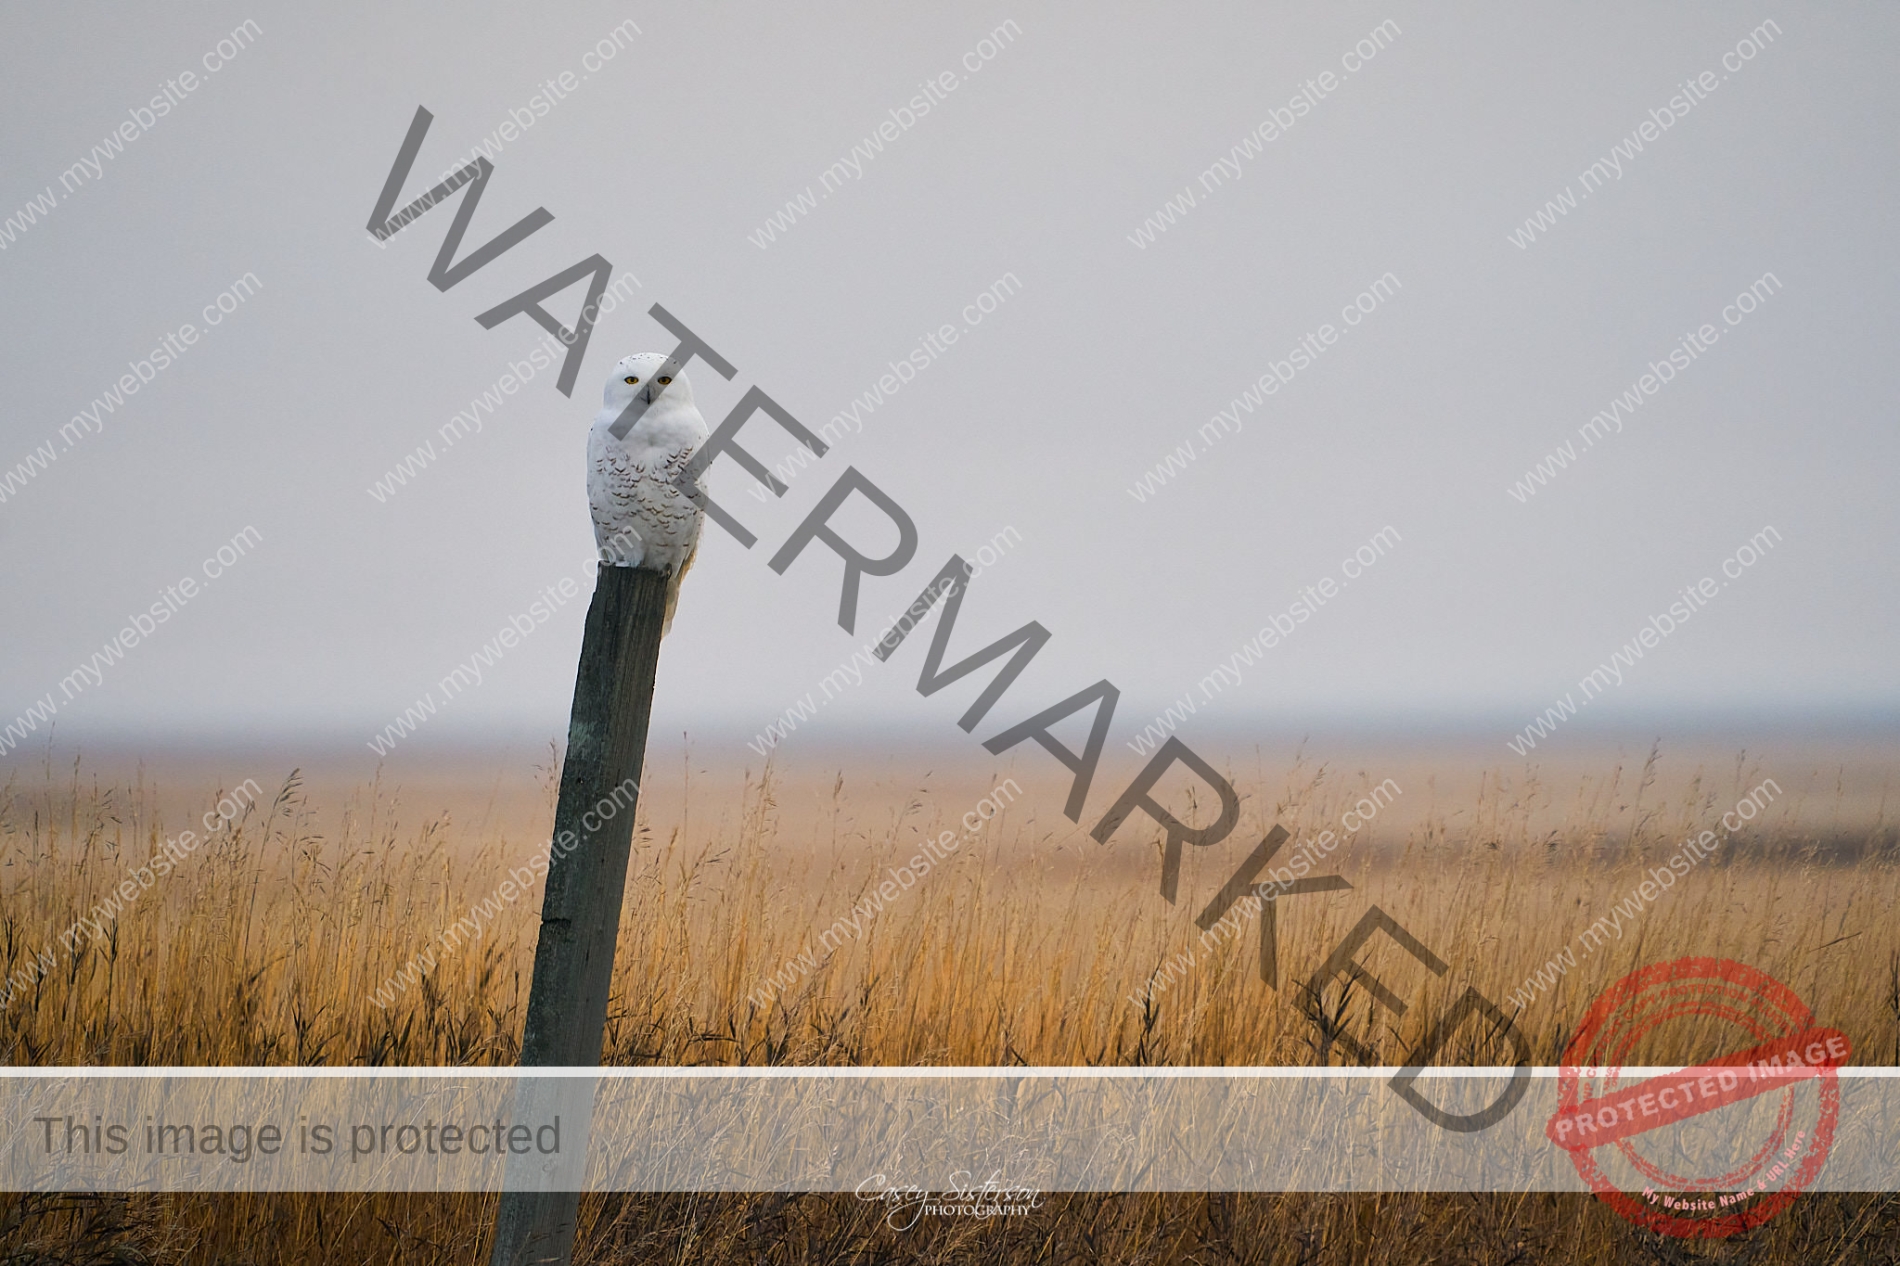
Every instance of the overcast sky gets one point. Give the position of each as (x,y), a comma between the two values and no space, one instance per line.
(1059,135)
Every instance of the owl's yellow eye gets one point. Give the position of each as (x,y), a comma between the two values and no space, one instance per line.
(631,381)
(665,381)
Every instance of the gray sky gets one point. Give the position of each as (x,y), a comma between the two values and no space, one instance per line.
(1059,139)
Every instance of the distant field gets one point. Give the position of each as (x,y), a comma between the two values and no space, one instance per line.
(321,927)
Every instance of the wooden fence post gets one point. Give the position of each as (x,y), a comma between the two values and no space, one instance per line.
(587,874)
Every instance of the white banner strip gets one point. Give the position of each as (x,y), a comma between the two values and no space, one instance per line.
(939,1129)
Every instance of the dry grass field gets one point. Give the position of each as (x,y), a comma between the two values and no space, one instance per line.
(301,932)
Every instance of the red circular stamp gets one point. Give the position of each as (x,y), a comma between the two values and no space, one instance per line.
(1662,1150)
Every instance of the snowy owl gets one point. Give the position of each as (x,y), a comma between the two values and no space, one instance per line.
(640,518)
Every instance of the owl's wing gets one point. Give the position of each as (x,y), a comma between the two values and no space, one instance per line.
(669,509)
(673,587)
(616,523)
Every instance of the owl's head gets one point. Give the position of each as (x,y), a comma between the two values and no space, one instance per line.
(647,376)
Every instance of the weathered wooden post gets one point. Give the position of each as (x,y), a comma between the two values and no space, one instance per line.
(587,873)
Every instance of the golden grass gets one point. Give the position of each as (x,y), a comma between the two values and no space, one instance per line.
(271,942)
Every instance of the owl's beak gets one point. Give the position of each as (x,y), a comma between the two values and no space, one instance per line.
(647,395)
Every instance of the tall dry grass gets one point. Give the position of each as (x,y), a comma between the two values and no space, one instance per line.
(282,938)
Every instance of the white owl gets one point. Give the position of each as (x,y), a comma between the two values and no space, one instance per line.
(640,518)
